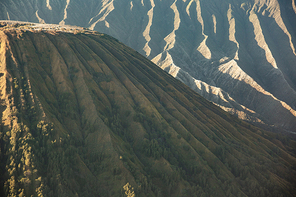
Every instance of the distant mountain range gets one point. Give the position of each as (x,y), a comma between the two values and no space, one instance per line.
(84,115)
(239,54)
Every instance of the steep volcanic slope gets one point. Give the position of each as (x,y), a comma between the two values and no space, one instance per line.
(83,115)
(239,54)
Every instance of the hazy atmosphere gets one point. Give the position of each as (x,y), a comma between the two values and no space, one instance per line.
(84,112)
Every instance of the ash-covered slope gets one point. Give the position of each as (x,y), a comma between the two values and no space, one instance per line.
(239,54)
(84,115)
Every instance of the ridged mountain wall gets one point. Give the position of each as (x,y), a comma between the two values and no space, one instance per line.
(238,54)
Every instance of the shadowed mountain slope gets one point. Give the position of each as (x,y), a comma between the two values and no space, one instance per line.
(239,54)
(84,115)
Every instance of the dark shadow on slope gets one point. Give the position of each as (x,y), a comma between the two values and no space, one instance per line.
(265,105)
(252,59)
(289,17)
(280,47)
(226,101)
(3,150)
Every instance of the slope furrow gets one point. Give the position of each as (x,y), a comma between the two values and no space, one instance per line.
(65,13)
(48,5)
(202,48)
(171,38)
(146,32)
(107,8)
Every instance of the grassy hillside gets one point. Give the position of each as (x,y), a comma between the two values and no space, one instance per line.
(84,115)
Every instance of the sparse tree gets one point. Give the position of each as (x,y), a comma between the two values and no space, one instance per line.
(129,190)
